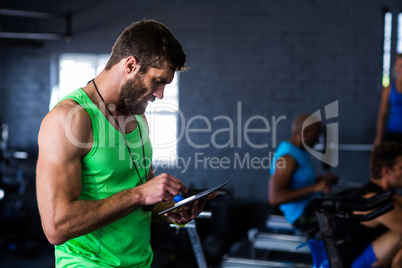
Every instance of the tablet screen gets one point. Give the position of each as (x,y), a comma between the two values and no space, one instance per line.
(194,197)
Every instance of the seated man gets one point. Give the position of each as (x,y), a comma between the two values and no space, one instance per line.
(375,243)
(293,180)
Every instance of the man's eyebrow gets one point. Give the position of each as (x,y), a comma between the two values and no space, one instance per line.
(162,80)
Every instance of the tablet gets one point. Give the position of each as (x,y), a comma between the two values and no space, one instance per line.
(193,198)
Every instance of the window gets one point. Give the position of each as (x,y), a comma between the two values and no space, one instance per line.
(399,40)
(387,49)
(75,70)
(389,39)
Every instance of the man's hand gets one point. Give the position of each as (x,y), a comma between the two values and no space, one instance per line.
(189,212)
(162,188)
(324,182)
(322,186)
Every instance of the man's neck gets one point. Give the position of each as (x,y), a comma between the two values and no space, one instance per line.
(109,102)
(382,183)
(103,87)
(296,141)
(108,86)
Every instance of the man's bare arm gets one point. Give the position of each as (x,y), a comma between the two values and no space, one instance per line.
(392,220)
(280,191)
(382,114)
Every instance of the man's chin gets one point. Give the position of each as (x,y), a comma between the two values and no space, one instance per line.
(138,110)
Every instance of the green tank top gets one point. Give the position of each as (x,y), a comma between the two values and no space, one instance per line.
(106,170)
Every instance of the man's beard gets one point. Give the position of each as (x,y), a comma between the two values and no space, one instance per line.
(132,96)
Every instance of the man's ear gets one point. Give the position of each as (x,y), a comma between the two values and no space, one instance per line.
(385,172)
(131,65)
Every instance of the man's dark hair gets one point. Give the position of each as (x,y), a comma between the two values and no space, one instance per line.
(151,43)
(384,155)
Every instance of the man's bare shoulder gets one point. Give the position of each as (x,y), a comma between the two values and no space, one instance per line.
(386,91)
(67,120)
(68,110)
(65,107)
(286,162)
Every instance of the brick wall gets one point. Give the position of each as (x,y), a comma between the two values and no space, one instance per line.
(258,59)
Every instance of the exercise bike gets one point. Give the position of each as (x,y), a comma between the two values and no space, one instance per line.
(323,249)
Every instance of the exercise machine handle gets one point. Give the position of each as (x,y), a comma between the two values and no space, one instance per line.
(344,206)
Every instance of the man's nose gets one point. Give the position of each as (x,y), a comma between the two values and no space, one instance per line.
(159,92)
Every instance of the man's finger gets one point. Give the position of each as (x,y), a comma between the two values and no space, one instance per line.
(176,183)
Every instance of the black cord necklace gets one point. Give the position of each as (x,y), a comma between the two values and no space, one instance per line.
(146,207)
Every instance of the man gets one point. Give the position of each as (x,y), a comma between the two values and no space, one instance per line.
(293,180)
(375,243)
(95,184)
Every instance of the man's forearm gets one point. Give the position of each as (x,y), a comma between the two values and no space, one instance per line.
(287,196)
(79,217)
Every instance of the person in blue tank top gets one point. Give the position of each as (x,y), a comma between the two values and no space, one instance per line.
(389,121)
(293,181)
